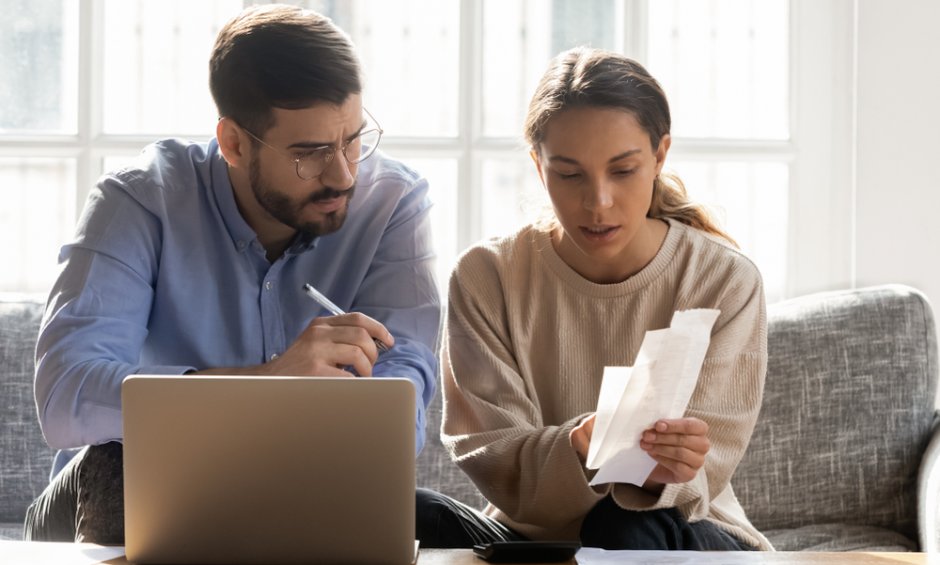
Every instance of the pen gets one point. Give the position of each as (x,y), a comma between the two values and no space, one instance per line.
(335,310)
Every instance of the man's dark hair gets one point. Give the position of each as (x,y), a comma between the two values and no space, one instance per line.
(278,56)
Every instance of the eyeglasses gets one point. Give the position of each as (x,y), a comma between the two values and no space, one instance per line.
(310,163)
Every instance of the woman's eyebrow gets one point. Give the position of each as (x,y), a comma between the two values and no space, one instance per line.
(563,159)
(623,155)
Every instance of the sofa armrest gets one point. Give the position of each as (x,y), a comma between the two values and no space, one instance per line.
(928,493)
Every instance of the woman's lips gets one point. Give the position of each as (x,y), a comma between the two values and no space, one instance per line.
(599,234)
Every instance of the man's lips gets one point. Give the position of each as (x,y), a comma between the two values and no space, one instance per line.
(327,205)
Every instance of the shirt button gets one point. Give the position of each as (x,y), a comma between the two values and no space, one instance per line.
(268,285)
(242,245)
(274,356)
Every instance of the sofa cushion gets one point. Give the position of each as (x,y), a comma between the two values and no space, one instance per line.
(11,531)
(25,459)
(839,537)
(846,416)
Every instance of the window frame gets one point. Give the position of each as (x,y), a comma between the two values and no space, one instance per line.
(820,152)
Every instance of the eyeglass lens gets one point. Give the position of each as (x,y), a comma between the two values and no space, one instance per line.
(355,151)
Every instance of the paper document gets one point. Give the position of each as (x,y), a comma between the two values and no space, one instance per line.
(60,553)
(658,385)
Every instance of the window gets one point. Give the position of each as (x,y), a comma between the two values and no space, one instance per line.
(449,81)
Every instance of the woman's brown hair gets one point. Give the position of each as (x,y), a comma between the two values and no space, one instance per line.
(583,77)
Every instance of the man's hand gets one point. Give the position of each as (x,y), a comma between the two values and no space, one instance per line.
(331,343)
(679,447)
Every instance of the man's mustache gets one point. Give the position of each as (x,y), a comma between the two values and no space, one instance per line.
(329,193)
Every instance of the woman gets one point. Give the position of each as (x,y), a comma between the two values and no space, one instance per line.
(535,317)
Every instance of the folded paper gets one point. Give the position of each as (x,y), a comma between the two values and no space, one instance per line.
(659,385)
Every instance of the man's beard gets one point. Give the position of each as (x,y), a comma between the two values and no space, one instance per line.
(287,211)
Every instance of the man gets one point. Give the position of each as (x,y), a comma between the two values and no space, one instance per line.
(194,260)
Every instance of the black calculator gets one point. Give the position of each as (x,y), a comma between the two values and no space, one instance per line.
(527,551)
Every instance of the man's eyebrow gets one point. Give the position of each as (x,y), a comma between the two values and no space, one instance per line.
(324,145)
(623,155)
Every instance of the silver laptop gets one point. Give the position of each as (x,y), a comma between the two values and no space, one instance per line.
(269,470)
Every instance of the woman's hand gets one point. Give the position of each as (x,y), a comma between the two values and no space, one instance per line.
(679,447)
(580,437)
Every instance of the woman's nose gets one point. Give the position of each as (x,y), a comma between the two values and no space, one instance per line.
(598,195)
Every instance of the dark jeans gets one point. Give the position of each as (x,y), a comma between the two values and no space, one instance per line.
(451,524)
(85,502)
(610,527)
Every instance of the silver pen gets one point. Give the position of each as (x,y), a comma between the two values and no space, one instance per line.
(335,310)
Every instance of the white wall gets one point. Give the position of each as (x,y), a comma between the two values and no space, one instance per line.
(897,166)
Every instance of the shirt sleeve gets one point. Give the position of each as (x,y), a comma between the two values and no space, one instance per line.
(95,321)
(492,427)
(727,397)
(400,290)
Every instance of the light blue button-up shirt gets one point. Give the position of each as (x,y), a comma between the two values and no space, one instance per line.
(165,276)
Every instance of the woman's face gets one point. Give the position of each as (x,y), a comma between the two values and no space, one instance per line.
(598,166)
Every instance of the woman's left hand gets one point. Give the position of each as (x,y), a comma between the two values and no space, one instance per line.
(679,447)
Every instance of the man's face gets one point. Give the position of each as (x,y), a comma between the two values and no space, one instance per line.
(317,206)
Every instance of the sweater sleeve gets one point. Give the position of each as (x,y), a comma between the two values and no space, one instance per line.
(727,397)
(492,424)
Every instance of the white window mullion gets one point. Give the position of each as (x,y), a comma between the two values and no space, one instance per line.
(469,121)
(90,103)
(635,22)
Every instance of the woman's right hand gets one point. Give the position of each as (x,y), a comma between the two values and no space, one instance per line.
(580,437)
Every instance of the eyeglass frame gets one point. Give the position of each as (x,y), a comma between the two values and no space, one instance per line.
(332,149)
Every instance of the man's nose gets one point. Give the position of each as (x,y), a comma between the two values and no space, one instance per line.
(339,172)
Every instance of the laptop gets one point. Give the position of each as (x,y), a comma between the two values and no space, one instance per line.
(269,470)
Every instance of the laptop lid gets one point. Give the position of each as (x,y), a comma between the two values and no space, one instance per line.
(269,469)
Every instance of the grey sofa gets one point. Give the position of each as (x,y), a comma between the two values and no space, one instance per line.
(843,456)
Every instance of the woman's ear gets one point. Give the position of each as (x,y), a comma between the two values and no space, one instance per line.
(664,143)
(232,144)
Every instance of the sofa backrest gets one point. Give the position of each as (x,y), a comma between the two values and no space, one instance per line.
(847,412)
(436,471)
(25,459)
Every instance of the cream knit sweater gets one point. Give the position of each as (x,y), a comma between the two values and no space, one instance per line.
(527,339)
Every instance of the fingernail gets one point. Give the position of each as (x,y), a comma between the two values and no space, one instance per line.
(661,426)
(649,436)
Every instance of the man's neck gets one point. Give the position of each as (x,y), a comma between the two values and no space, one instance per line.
(274,236)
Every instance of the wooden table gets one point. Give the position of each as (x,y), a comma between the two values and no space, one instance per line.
(27,553)
(596,557)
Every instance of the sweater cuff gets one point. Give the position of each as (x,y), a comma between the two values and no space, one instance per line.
(600,491)
(690,497)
